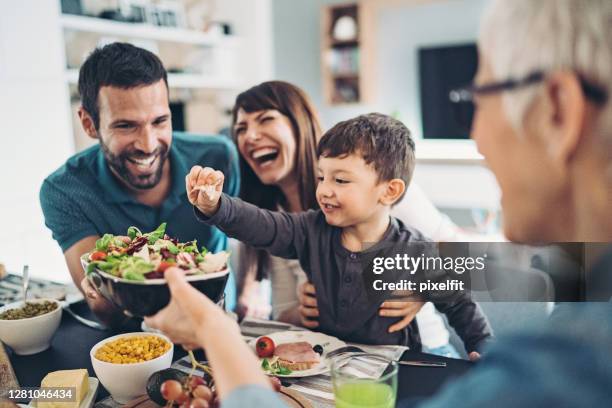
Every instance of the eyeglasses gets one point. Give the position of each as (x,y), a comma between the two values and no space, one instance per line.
(462,99)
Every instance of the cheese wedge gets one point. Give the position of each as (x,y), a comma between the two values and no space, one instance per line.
(66,378)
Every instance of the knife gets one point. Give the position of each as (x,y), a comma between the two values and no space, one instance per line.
(423,363)
(86,322)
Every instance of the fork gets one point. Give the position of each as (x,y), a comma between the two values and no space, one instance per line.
(355,349)
(26,282)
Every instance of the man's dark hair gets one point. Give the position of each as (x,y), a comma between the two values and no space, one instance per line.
(120,65)
(381,140)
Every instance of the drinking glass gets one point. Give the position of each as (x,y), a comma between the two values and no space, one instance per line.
(364,380)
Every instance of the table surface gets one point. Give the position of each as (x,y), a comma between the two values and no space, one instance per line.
(73,341)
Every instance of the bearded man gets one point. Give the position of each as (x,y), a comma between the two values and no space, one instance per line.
(135,175)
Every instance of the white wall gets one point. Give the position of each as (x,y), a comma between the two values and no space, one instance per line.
(400,31)
(35,134)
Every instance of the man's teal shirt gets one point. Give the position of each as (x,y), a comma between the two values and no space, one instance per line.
(83,198)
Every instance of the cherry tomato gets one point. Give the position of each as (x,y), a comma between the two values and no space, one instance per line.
(171,390)
(97,256)
(163,265)
(265,347)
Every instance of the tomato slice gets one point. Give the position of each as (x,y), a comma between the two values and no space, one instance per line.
(98,256)
(163,265)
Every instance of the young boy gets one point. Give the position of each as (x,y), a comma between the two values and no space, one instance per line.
(365,165)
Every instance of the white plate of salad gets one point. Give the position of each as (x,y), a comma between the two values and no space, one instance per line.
(266,348)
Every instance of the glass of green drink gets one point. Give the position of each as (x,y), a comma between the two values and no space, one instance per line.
(364,380)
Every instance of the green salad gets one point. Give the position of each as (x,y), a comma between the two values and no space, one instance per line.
(273,366)
(140,256)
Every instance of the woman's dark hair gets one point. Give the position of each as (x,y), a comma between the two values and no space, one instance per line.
(293,103)
(121,65)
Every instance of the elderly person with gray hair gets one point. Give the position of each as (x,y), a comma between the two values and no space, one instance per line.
(543,122)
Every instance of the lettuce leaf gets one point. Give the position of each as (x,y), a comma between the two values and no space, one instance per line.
(131,275)
(133,232)
(157,234)
(133,266)
(191,247)
(102,243)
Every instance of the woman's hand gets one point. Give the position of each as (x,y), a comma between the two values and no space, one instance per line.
(406,308)
(309,311)
(194,320)
(187,314)
(204,188)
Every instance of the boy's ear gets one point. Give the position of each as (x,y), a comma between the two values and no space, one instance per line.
(395,189)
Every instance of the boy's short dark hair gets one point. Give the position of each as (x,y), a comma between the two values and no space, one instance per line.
(121,65)
(381,140)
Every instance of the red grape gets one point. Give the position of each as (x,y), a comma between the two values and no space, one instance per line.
(199,403)
(183,398)
(171,390)
(276,384)
(202,391)
(195,381)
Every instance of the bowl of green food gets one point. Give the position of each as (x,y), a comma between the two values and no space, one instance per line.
(28,327)
(129,269)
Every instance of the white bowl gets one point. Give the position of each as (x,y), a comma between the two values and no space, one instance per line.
(31,335)
(127,381)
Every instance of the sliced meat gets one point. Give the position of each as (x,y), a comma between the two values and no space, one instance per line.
(299,352)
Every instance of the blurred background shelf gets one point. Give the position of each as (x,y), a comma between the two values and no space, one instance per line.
(142,31)
(347,53)
(181,81)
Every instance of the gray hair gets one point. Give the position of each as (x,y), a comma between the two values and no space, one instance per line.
(520,37)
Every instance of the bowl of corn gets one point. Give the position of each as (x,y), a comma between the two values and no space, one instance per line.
(124,363)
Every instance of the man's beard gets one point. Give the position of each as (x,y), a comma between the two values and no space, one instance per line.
(118,163)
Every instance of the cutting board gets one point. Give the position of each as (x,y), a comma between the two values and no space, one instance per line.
(7,376)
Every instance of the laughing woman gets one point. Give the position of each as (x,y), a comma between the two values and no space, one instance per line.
(276,130)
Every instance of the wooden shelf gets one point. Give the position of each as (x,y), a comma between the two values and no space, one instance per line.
(448,152)
(344,44)
(347,67)
(142,31)
(347,77)
(184,81)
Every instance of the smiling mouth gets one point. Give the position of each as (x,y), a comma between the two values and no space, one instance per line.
(329,206)
(264,155)
(144,163)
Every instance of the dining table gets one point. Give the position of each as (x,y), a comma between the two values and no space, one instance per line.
(71,345)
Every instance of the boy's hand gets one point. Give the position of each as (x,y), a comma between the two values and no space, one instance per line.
(204,188)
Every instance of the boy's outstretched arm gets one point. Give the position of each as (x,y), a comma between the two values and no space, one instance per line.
(280,233)
(468,320)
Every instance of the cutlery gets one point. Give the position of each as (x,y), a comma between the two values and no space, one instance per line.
(423,363)
(26,282)
(355,349)
(80,319)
